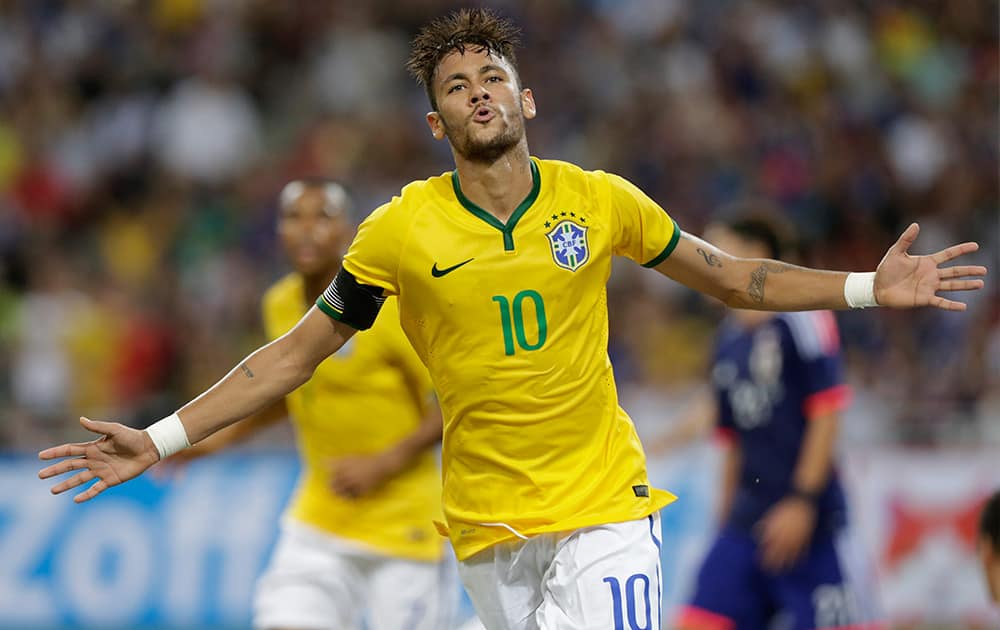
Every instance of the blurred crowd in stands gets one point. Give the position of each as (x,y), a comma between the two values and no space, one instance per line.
(142,146)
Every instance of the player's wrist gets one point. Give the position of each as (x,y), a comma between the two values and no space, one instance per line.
(168,436)
(392,461)
(807,497)
(859,290)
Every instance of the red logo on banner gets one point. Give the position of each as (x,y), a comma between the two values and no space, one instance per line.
(910,525)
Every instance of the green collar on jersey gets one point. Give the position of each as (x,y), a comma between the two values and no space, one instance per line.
(507,229)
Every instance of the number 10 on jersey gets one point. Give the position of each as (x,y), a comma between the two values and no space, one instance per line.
(512,321)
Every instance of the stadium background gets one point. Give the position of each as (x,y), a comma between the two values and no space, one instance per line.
(142,145)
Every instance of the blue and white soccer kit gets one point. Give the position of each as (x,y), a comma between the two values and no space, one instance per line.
(769,381)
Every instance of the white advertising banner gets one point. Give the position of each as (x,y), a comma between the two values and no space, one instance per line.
(918,513)
(185,552)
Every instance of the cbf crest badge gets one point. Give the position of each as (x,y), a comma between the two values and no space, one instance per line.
(568,240)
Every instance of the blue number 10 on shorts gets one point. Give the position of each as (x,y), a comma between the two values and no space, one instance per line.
(605,577)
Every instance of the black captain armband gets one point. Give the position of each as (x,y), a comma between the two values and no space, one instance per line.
(348,301)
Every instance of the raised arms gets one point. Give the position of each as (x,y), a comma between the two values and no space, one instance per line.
(266,375)
(270,372)
(234,434)
(902,280)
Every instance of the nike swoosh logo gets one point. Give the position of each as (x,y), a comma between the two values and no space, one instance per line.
(437,273)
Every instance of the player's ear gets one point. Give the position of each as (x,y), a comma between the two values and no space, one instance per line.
(436,124)
(528,103)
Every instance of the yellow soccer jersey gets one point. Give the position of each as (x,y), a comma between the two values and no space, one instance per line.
(363,399)
(511,320)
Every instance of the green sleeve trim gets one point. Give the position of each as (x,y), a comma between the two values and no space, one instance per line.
(669,249)
(329,310)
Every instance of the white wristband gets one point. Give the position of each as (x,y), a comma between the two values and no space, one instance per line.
(168,435)
(859,290)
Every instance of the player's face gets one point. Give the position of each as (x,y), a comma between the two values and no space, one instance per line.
(312,232)
(480,106)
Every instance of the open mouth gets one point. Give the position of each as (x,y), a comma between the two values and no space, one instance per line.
(483,115)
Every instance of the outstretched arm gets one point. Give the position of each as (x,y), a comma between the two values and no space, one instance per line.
(233,434)
(121,453)
(901,280)
(266,375)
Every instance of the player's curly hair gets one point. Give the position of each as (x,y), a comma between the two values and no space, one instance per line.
(477,29)
(762,222)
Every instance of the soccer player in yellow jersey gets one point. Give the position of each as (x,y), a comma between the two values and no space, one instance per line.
(500,269)
(359,530)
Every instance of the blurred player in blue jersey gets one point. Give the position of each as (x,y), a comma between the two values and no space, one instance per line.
(779,390)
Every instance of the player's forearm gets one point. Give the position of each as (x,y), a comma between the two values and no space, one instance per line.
(732,462)
(816,457)
(261,379)
(245,428)
(753,283)
(772,285)
(268,374)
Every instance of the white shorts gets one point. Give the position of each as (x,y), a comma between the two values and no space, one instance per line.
(316,581)
(601,578)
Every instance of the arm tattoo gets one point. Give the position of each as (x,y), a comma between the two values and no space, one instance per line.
(759,276)
(710,259)
(246,370)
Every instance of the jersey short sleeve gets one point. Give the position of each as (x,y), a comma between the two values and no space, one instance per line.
(817,342)
(724,423)
(370,271)
(643,231)
(374,255)
(724,413)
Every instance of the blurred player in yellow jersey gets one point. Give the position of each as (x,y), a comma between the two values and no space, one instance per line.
(500,269)
(359,530)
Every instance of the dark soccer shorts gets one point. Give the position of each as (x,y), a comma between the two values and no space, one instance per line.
(734,592)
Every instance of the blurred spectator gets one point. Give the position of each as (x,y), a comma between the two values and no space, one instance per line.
(142,144)
(206,130)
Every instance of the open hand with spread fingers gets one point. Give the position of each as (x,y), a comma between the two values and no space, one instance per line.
(120,454)
(905,281)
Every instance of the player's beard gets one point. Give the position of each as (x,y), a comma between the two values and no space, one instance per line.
(488,150)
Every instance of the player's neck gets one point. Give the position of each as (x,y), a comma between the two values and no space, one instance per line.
(500,186)
(314,284)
